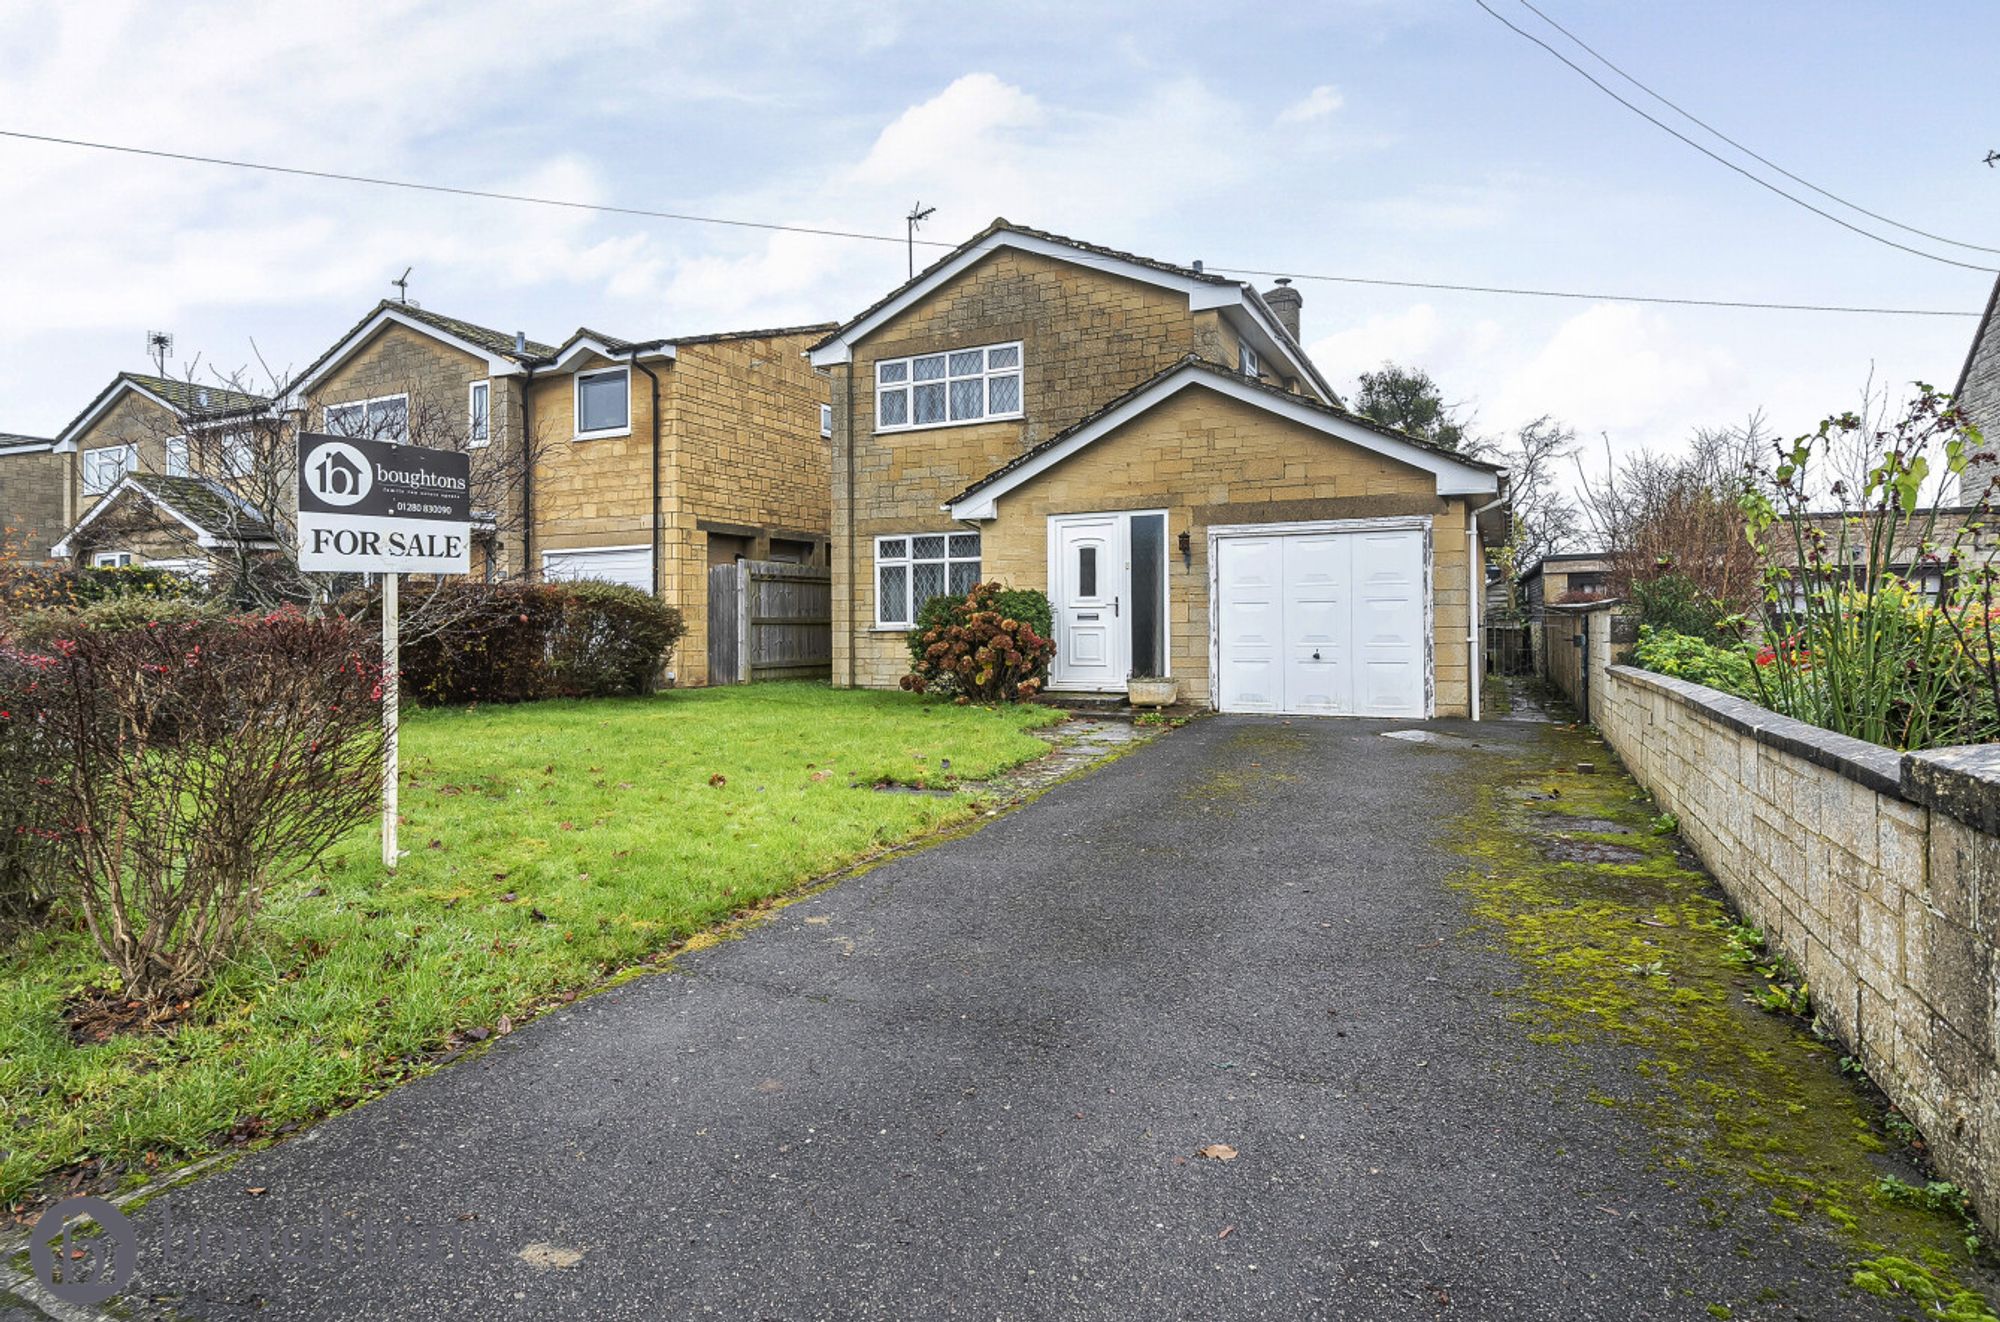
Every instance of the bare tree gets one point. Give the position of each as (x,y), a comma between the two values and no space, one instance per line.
(1544,516)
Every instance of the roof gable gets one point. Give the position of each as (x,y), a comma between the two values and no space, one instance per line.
(1203,290)
(187,401)
(1455,474)
(214,514)
(497,349)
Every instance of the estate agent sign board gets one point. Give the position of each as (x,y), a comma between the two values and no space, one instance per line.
(374,507)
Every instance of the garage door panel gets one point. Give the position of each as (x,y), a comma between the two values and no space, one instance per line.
(1322,623)
(630,566)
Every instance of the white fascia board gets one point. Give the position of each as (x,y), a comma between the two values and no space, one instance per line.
(1453,478)
(1250,322)
(34,447)
(566,361)
(104,502)
(496,364)
(66,443)
(1201,294)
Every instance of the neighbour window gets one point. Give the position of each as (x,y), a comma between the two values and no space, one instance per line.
(603,402)
(936,389)
(177,457)
(910,570)
(383,419)
(103,467)
(826,420)
(239,456)
(1247,357)
(479,426)
(111,559)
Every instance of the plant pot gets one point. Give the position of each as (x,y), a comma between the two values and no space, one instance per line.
(1152,692)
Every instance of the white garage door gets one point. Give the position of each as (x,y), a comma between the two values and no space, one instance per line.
(630,565)
(1322,621)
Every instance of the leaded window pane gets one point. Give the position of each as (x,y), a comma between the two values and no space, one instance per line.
(964,576)
(1005,356)
(929,547)
(930,369)
(1005,394)
(969,362)
(890,373)
(929,403)
(892,408)
(892,594)
(894,548)
(968,399)
(965,544)
(927,581)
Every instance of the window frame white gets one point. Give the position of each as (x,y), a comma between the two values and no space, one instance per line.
(576,402)
(909,561)
(326,412)
(826,421)
(110,559)
(238,457)
(478,414)
(92,459)
(180,457)
(907,387)
(1247,360)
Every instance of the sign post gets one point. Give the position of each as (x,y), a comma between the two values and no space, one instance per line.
(375,507)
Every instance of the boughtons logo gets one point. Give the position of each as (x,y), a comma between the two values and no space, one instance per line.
(83,1269)
(338,474)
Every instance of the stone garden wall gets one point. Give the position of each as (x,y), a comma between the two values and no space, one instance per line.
(1876,872)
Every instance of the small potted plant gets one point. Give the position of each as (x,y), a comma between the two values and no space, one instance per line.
(1152,691)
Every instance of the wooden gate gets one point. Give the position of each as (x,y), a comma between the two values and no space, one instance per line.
(769,620)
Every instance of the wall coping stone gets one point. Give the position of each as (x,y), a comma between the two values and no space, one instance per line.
(1963,782)
(1880,769)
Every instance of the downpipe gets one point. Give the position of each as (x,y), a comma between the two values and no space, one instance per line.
(1475,677)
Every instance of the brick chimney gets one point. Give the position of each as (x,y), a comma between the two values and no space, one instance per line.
(1286,301)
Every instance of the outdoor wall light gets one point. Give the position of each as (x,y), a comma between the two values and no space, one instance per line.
(1187,550)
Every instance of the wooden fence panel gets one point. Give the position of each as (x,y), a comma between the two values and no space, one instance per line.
(769,620)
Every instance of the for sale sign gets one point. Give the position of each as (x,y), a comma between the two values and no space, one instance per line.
(376,507)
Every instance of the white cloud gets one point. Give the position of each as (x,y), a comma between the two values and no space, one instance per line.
(1617,367)
(1316,104)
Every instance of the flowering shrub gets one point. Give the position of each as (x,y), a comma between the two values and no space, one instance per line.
(192,764)
(982,647)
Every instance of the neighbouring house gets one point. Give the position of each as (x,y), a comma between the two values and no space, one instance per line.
(1978,392)
(31,496)
(659,458)
(1149,444)
(1564,579)
(153,475)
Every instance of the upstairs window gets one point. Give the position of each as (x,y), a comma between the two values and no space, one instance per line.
(103,467)
(386,418)
(1247,357)
(826,420)
(239,456)
(604,402)
(479,413)
(938,389)
(910,570)
(178,463)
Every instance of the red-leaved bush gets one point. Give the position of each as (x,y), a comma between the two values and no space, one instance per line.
(978,654)
(190,765)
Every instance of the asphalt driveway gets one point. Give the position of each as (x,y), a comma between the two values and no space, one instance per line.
(976,1082)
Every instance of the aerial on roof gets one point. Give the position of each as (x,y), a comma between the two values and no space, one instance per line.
(1192,368)
(1002,230)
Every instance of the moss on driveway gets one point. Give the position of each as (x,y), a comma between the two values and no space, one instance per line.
(1622,938)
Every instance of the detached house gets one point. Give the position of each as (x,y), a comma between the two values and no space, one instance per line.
(1978,393)
(155,472)
(1149,444)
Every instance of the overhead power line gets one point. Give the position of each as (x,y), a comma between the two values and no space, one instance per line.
(824,232)
(1689,115)
(1719,159)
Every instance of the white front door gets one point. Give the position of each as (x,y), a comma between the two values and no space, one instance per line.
(1087,576)
(1321,620)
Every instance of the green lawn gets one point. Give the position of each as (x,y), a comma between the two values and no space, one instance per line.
(549,846)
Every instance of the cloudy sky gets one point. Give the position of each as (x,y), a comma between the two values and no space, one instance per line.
(1402,139)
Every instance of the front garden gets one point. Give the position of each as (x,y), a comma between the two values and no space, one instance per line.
(550,846)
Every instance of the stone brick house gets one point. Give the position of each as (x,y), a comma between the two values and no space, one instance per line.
(1566,577)
(151,471)
(1978,391)
(31,496)
(1149,444)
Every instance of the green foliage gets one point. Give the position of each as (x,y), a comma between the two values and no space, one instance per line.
(609,639)
(975,648)
(37,629)
(1406,399)
(1725,668)
(1674,603)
